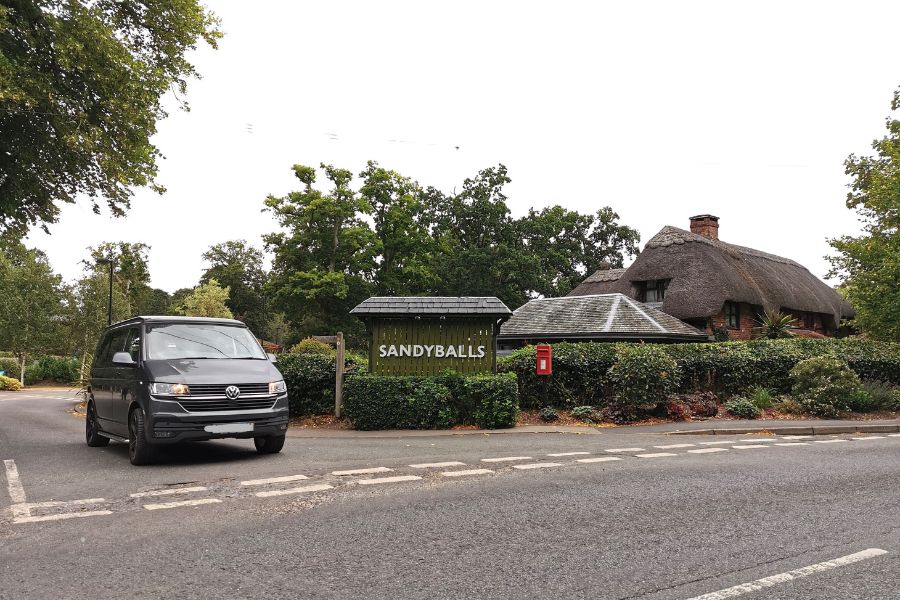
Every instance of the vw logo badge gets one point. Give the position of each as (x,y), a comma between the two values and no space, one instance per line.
(232,392)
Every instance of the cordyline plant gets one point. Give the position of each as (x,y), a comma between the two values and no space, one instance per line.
(774,324)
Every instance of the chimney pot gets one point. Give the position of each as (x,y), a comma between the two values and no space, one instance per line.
(705,225)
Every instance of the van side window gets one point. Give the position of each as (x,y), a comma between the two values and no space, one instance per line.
(102,350)
(133,346)
(116,344)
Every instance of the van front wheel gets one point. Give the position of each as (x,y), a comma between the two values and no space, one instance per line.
(139,449)
(269,445)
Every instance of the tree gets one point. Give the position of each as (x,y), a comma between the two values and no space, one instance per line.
(869,264)
(81,87)
(31,304)
(325,260)
(207,300)
(88,312)
(239,266)
(131,273)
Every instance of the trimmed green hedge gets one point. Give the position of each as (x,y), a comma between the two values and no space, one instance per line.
(310,381)
(51,368)
(11,367)
(393,402)
(581,372)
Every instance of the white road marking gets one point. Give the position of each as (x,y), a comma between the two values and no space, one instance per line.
(52,504)
(792,444)
(668,446)
(758,440)
(269,480)
(830,441)
(894,435)
(707,450)
(625,449)
(16,491)
(363,471)
(773,580)
(169,492)
(715,443)
(871,437)
(796,437)
(396,479)
(438,465)
(298,490)
(568,453)
(59,517)
(749,447)
(656,455)
(540,465)
(598,459)
(505,459)
(196,502)
(466,472)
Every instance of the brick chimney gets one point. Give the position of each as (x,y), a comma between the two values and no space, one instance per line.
(705,225)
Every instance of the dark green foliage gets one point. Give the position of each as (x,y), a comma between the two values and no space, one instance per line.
(390,402)
(742,408)
(497,398)
(584,413)
(580,375)
(11,367)
(548,413)
(310,381)
(775,325)
(827,387)
(312,346)
(643,375)
(50,368)
(884,396)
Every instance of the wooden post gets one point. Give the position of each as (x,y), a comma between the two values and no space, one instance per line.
(339,374)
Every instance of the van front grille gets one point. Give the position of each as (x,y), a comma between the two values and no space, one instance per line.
(218,389)
(220,404)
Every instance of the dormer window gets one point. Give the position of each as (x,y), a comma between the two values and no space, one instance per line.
(653,291)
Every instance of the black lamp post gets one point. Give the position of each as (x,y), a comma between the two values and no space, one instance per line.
(110,262)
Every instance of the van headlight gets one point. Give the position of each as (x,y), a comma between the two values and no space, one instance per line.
(277,387)
(169,389)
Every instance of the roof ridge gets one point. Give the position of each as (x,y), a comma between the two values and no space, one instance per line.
(671,235)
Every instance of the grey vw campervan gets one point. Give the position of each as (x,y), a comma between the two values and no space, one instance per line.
(161,380)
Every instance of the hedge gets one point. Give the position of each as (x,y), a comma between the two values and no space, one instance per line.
(11,367)
(51,368)
(310,381)
(396,402)
(581,372)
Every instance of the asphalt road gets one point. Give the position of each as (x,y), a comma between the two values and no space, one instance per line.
(823,518)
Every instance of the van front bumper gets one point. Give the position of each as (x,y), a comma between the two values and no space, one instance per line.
(168,422)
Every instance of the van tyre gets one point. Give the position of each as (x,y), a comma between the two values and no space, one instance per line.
(139,449)
(92,428)
(270,444)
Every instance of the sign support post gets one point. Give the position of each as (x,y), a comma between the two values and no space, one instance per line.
(339,374)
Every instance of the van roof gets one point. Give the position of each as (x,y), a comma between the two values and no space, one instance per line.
(174,319)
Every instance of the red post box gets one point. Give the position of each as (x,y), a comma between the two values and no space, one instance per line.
(544,359)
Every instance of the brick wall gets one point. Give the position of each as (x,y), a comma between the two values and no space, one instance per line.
(747,322)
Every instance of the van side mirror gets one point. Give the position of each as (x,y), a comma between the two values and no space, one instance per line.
(123,359)
(272,357)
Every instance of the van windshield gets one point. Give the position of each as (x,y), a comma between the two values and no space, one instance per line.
(199,340)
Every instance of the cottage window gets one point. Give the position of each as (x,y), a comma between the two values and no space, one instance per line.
(654,291)
(732,315)
(809,321)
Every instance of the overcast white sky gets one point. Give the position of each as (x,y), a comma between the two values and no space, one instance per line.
(661,110)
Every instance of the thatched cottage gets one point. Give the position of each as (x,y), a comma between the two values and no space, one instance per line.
(709,284)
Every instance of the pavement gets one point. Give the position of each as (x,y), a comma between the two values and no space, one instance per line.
(617,513)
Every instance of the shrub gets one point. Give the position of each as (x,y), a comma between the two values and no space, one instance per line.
(10,366)
(788,406)
(760,397)
(496,398)
(643,375)
(676,410)
(827,387)
(615,412)
(548,413)
(884,395)
(8,384)
(702,404)
(392,402)
(584,413)
(50,368)
(742,408)
(580,375)
(310,381)
(312,346)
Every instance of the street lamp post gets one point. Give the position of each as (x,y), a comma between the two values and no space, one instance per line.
(110,262)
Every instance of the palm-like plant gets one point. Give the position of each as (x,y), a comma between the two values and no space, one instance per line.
(774,324)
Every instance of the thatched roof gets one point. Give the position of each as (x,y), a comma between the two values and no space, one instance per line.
(600,317)
(705,273)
